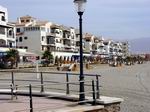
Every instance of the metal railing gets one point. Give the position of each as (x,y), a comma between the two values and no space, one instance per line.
(44,84)
(42,81)
(15,88)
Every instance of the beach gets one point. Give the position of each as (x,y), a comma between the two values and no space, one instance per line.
(132,83)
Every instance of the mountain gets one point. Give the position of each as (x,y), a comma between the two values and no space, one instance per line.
(140,45)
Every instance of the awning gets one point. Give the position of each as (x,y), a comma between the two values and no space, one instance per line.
(27,54)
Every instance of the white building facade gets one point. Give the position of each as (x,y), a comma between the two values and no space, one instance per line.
(7,30)
(37,36)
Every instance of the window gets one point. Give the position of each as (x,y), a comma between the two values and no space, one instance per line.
(43,38)
(42,48)
(3,18)
(10,32)
(33,28)
(18,30)
(58,48)
(78,43)
(2,30)
(38,28)
(27,20)
(22,21)
(20,39)
(111,50)
(52,30)
(10,44)
(26,47)
(56,31)
(25,38)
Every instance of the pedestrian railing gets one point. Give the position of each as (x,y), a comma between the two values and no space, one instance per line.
(45,85)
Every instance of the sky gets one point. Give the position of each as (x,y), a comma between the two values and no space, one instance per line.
(115,19)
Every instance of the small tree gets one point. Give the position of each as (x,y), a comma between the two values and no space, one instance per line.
(48,57)
(12,57)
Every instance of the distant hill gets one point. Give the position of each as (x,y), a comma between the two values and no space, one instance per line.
(140,45)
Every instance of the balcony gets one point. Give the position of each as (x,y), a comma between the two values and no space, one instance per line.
(2,30)
(50,48)
(67,46)
(50,34)
(101,51)
(51,40)
(94,47)
(66,36)
(67,50)
(67,42)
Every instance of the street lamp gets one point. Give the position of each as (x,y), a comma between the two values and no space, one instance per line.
(80,9)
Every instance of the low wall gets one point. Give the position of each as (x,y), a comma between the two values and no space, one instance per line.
(108,108)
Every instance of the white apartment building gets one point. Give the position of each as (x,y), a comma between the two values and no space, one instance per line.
(31,34)
(7,30)
(108,48)
(69,39)
(117,48)
(113,48)
(89,43)
(65,42)
(37,36)
(125,48)
(95,46)
(101,47)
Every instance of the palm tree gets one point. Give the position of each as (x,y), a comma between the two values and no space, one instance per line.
(47,56)
(12,57)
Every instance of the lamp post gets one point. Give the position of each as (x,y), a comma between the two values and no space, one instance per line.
(80,10)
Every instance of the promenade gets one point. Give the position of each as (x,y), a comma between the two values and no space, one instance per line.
(41,104)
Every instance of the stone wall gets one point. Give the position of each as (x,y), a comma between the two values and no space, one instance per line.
(108,108)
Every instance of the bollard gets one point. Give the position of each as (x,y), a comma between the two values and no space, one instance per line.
(97,87)
(93,89)
(30,95)
(16,88)
(67,83)
(12,78)
(42,83)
